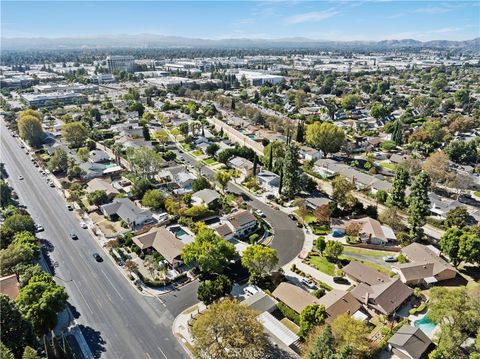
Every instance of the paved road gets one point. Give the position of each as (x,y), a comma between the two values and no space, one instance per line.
(116,320)
(288,239)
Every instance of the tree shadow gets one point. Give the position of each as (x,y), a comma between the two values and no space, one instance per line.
(48,261)
(47,245)
(73,310)
(471,271)
(94,340)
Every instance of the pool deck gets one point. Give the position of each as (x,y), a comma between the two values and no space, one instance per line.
(413,318)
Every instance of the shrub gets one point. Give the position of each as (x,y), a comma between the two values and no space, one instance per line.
(253,238)
(402,259)
(320,292)
(289,313)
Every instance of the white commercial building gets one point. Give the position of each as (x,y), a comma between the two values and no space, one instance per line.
(258,78)
(120,63)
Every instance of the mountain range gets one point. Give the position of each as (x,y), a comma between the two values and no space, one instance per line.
(163,41)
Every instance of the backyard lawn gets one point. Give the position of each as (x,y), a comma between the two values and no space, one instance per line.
(367,252)
(376,266)
(322,264)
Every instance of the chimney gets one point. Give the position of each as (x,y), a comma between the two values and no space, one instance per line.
(366,298)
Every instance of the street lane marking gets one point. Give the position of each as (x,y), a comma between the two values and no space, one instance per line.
(109,281)
(79,291)
(161,351)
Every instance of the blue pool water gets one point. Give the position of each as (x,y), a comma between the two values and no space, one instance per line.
(253,137)
(425,325)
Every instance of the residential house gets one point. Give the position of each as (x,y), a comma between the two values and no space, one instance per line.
(184,180)
(127,211)
(376,290)
(294,296)
(410,342)
(104,184)
(308,153)
(99,156)
(261,302)
(269,181)
(242,165)
(164,242)
(373,232)
(337,302)
(327,167)
(242,223)
(313,203)
(425,267)
(361,180)
(92,170)
(440,206)
(9,286)
(225,231)
(208,197)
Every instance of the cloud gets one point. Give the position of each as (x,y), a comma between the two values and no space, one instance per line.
(311,16)
(433,10)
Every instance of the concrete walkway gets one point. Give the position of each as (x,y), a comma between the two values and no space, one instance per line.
(180,327)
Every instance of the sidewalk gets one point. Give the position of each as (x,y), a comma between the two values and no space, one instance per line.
(180,327)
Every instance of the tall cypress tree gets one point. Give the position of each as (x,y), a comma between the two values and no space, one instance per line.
(397,135)
(419,204)
(397,197)
(255,164)
(290,172)
(280,185)
(299,135)
(270,158)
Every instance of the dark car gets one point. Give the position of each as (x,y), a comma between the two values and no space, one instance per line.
(299,225)
(73,236)
(97,257)
(340,280)
(69,207)
(292,217)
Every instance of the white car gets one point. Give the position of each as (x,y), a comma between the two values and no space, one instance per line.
(250,290)
(260,213)
(20,178)
(83,225)
(310,284)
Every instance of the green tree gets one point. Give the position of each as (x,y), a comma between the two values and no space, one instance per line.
(40,301)
(14,224)
(397,132)
(58,163)
(349,102)
(5,194)
(98,197)
(153,198)
(200,183)
(30,353)
(146,162)
(469,250)
(75,133)
(457,217)
(30,129)
(83,153)
(354,333)
(325,136)
(324,345)
(378,111)
(291,172)
(210,291)
(400,183)
(222,177)
(16,331)
(259,260)
(463,152)
(419,204)
(5,352)
(342,189)
(274,153)
(320,244)
(333,249)
(212,149)
(140,187)
(211,252)
(183,129)
(311,316)
(228,327)
(462,97)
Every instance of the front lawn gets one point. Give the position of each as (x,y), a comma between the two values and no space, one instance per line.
(210,161)
(322,264)
(307,218)
(367,252)
(387,165)
(197,153)
(290,325)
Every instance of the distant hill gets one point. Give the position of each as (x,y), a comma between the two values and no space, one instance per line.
(161,41)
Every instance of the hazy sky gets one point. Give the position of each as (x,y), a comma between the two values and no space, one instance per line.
(329,20)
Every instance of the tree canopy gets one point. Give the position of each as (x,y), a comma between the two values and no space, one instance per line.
(325,136)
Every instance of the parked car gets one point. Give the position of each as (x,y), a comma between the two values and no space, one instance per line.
(83,225)
(97,257)
(69,207)
(292,217)
(51,184)
(73,236)
(39,228)
(20,178)
(341,280)
(299,225)
(310,284)
(390,259)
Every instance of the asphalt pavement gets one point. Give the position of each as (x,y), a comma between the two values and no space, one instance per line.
(116,320)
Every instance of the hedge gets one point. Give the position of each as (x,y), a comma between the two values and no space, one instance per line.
(289,313)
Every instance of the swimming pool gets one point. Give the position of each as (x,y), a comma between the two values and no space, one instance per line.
(425,325)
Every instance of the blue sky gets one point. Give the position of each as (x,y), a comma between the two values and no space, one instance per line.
(328,20)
